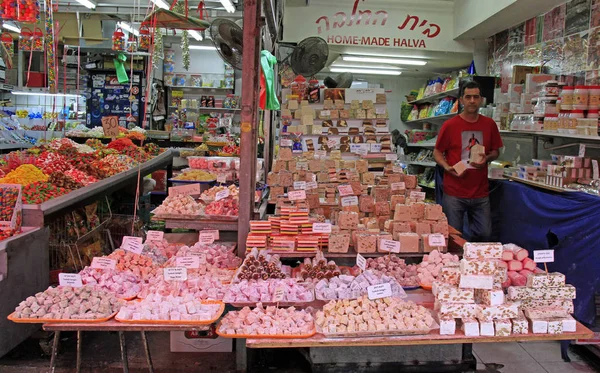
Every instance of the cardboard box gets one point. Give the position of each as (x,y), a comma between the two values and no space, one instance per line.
(189,341)
(519,74)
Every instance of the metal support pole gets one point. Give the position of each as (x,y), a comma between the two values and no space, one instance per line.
(147,350)
(249,119)
(78,362)
(123,352)
(534,147)
(54,351)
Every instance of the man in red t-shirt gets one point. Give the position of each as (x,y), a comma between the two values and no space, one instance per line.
(469,192)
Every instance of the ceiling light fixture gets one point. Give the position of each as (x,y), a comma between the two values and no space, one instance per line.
(364,71)
(128,28)
(26,93)
(367,66)
(228,5)
(12,28)
(195,34)
(203,47)
(87,3)
(386,55)
(161,4)
(394,61)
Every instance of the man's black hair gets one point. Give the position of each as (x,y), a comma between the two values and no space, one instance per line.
(469,84)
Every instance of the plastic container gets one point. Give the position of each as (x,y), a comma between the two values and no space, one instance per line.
(581,97)
(551,88)
(574,116)
(567,96)
(592,113)
(594,97)
(551,122)
(563,119)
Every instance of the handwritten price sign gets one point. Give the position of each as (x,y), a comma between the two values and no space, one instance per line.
(110,125)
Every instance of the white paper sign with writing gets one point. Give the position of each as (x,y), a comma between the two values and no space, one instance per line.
(379,291)
(543,256)
(70,279)
(214,232)
(206,238)
(222,194)
(375,148)
(345,190)
(417,196)
(389,246)
(285,142)
(188,261)
(380,111)
(331,143)
(201,256)
(321,228)
(312,185)
(297,195)
(299,185)
(154,236)
(189,189)
(175,273)
(582,150)
(397,170)
(103,263)
(133,244)
(350,201)
(221,178)
(278,294)
(595,173)
(398,186)
(437,240)
(361,262)
(391,157)
(319,154)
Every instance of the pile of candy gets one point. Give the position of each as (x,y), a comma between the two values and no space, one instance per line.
(24,175)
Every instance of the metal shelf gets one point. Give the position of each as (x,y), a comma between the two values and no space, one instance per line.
(350,254)
(201,88)
(424,144)
(552,134)
(418,163)
(201,224)
(435,97)
(206,108)
(432,119)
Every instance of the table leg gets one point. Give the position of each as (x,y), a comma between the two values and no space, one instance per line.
(564,351)
(123,352)
(54,351)
(467,355)
(241,355)
(147,350)
(79,337)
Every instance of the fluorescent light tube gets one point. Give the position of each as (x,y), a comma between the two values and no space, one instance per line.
(367,66)
(25,93)
(228,5)
(364,71)
(87,3)
(195,34)
(394,61)
(128,28)
(12,28)
(203,47)
(161,4)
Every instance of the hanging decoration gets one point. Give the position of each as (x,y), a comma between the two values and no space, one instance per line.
(118,40)
(144,39)
(28,11)
(158,47)
(132,44)
(185,50)
(120,68)
(51,63)
(8,46)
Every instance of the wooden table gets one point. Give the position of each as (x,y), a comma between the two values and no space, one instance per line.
(114,326)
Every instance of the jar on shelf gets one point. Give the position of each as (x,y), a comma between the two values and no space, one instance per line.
(551,88)
(594,97)
(574,117)
(144,42)
(551,122)
(118,40)
(566,98)
(563,120)
(581,97)
(314,91)
(132,44)
(9,44)
(299,88)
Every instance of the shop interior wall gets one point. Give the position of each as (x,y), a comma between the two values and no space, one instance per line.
(201,61)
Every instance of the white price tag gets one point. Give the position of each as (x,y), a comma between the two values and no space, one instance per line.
(103,263)
(154,236)
(390,246)
(543,256)
(189,189)
(362,152)
(297,195)
(380,111)
(398,186)
(188,261)
(397,170)
(350,201)
(285,142)
(325,113)
(320,153)
(436,240)
(175,273)
(331,143)
(595,173)
(222,194)
(379,291)
(375,148)
(582,150)
(278,294)
(345,190)
(312,185)
(214,232)
(391,157)
(300,185)
(70,279)
(321,228)
(221,178)
(133,244)
(201,256)
(361,262)
(417,196)
(355,148)
(206,238)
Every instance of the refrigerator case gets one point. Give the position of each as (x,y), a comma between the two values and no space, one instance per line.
(110,98)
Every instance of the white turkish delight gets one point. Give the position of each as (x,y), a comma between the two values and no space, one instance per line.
(569,324)
(543,280)
(538,326)
(520,325)
(482,250)
(566,304)
(501,311)
(492,297)
(453,294)
(477,267)
(437,286)
(450,273)
(486,328)
(447,325)
(459,310)
(555,326)
(522,292)
(502,327)
(545,312)
(476,282)
(470,326)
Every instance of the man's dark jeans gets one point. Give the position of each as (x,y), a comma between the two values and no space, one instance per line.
(478,213)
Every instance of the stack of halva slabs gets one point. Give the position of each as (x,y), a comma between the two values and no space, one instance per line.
(547,302)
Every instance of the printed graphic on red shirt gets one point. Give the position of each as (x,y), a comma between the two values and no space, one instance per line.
(470,139)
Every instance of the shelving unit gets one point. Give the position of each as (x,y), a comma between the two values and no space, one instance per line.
(435,97)
(424,144)
(350,254)
(207,109)
(436,119)
(418,163)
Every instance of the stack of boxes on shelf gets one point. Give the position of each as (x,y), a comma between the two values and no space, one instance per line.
(561,171)
(472,292)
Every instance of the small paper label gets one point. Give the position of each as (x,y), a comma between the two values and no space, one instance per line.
(390,246)
(321,153)
(222,194)
(206,238)
(397,170)
(380,111)
(201,256)
(595,173)
(321,228)
(110,125)
(312,185)
(375,148)
(325,113)
(103,263)
(188,261)
(379,291)
(331,143)
(214,232)
(300,185)
(362,152)
(154,236)
(361,262)
(391,157)
(297,195)
(350,201)
(398,186)
(133,244)
(285,142)
(355,148)
(345,190)
(543,256)
(418,196)
(582,150)
(175,273)
(221,178)
(189,189)
(70,279)
(437,240)
(278,294)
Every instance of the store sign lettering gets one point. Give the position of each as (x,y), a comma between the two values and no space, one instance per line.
(378,18)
